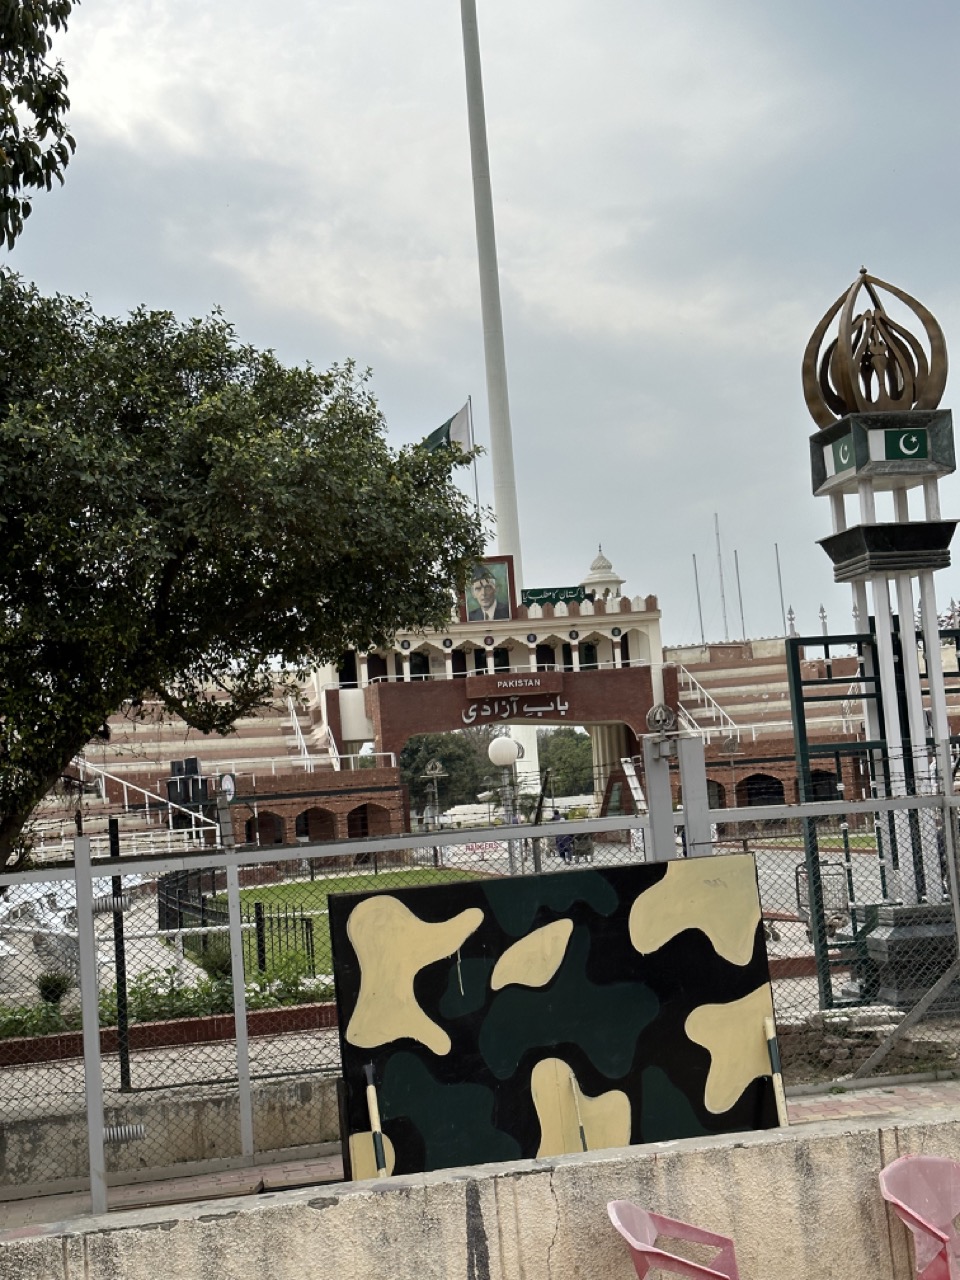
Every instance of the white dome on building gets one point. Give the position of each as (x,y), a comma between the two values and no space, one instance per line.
(603,582)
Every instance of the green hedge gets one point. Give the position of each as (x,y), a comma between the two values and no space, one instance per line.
(157,995)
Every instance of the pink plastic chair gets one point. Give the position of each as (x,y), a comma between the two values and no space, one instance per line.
(640,1229)
(925,1194)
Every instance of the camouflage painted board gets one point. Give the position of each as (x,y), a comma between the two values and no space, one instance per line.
(530,1016)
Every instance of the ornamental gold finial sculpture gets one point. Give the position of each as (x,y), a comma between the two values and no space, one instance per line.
(874,364)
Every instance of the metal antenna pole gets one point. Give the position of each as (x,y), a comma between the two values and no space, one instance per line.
(736,565)
(696,581)
(783,612)
(723,594)
(501,440)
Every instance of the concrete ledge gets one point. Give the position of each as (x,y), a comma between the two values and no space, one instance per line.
(799,1203)
(49,1153)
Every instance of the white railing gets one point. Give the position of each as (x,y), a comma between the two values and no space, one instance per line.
(245,766)
(765,728)
(523,669)
(162,803)
(53,845)
(298,737)
(690,725)
(251,769)
(711,706)
(215,768)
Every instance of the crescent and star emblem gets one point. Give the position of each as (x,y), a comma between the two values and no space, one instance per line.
(903,443)
(844,453)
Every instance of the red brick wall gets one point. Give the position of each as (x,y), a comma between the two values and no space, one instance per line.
(336,792)
(730,772)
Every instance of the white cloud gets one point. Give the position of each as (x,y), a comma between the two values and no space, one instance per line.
(680,192)
(374,229)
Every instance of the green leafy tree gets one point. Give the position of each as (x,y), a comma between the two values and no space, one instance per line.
(35,146)
(182,517)
(569,757)
(463,754)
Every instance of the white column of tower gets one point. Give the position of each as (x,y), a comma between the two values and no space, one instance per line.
(908,648)
(891,714)
(931,626)
(915,714)
(880,590)
(871,718)
(871,721)
(501,441)
(883,616)
(528,767)
(883,619)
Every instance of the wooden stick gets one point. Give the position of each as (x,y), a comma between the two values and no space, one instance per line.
(373,1110)
(776,1071)
(576,1103)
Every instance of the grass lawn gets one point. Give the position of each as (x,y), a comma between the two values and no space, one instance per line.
(286,932)
(825,843)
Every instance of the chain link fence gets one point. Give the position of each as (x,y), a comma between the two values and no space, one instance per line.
(186,944)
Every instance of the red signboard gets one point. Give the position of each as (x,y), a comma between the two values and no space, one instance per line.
(513,682)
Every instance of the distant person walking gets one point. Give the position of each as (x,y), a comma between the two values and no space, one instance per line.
(564,843)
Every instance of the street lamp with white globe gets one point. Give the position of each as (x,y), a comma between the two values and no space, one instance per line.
(503,753)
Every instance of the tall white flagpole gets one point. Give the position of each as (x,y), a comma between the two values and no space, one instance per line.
(473,445)
(501,440)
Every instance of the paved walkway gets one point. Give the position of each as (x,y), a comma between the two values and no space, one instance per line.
(883,1102)
(27,1217)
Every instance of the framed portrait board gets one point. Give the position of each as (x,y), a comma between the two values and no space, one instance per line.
(490,594)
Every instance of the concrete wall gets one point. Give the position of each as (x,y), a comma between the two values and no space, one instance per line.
(800,1204)
(179,1129)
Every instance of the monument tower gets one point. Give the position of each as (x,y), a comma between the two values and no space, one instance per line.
(874,392)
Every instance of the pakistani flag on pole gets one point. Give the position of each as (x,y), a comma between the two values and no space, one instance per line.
(455,430)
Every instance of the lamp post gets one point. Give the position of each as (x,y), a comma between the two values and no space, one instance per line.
(503,753)
(434,772)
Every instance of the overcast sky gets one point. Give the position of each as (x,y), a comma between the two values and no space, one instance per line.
(680,191)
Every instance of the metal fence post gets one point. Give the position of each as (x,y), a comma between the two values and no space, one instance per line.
(89,1003)
(120,962)
(949,841)
(240,1012)
(260,923)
